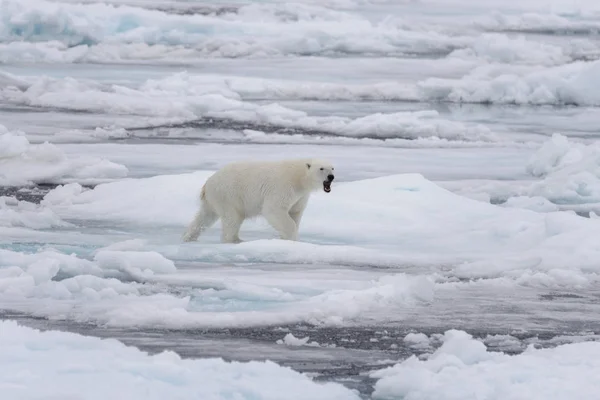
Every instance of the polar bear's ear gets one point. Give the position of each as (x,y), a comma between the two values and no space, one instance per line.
(308,165)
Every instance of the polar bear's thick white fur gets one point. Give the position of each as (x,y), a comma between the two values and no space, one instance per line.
(277,190)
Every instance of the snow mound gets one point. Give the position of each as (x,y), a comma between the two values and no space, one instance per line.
(22,163)
(504,49)
(536,203)
(135,263)
(463,369)
(570,84)
(106,368)
(570,171)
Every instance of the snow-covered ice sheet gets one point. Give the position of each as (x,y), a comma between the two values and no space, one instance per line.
(178,100)
(401,214)
(461,132)
(463,369)
(187,95)
(108,369)
(400,225)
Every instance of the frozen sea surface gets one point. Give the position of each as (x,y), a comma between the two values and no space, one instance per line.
(456,256)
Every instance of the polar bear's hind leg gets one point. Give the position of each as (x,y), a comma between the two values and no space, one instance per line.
(204,219)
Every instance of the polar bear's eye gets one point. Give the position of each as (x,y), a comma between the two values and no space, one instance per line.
(321,169)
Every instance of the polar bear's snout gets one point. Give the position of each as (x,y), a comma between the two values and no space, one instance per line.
(327,183)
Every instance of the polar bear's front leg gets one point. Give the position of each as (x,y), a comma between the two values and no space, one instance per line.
(297,211)
(281,221)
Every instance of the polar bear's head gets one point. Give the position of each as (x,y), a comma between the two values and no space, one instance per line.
(321,174)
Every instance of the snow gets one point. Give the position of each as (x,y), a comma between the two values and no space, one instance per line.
(303,29)
(569,177)
(501,48)
(463,368)
(570,171)
(44,31)
(464,136)
(535,203)
(392,224)
(107,368)
(397,220)
(22,163)
(190,98)
(93,291)
(22,213)
(563,85)
(566,176)
(132,262)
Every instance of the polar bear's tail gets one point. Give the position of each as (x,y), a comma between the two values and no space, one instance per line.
(204,219)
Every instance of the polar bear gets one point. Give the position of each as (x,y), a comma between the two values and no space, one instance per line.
(277,190)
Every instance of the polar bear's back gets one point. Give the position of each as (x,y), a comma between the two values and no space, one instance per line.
(244,186)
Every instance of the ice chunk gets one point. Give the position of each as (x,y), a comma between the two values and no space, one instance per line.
(565,84)
(417,340)
(29,215)
(463,369)
(570,171)
(22,163)
(291,340)
(136,263)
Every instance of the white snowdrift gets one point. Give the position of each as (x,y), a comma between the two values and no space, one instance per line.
(508,50)
(570,171)
(64,365)
(22,163)
(463,369)
(571,84)
(566,176)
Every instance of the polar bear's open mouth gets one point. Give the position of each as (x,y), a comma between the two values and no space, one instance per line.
(327,186)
